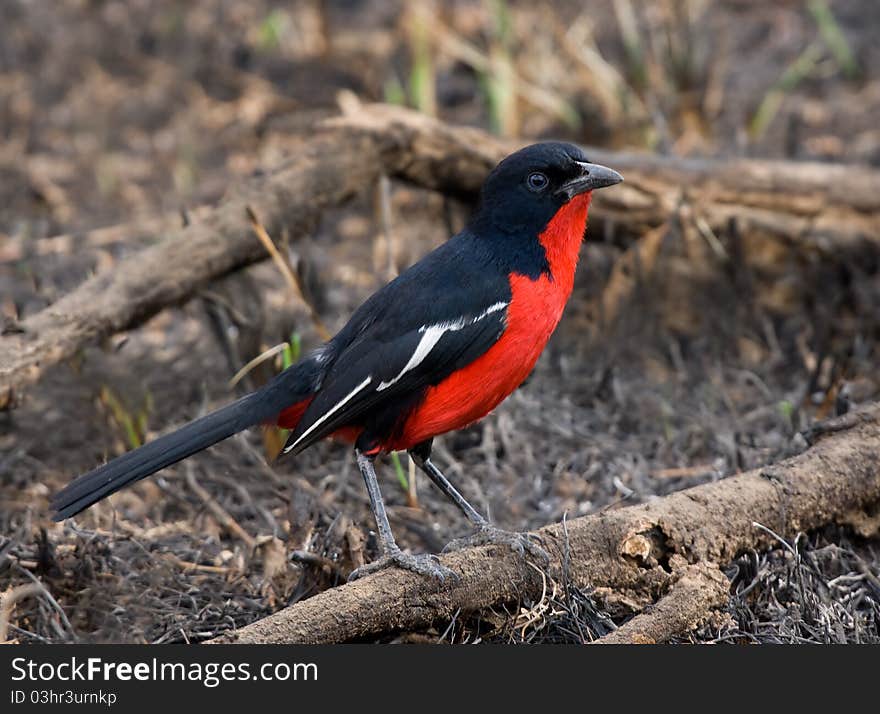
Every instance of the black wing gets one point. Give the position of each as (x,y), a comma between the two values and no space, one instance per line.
(434,318)
(374,373)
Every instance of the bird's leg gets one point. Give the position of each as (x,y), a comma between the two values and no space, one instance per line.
(486,533)
(391,553)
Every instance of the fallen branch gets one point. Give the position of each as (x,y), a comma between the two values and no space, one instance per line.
(699,590)
(825,206)
(625,555)
(8,600)
(324,174)
(822,206)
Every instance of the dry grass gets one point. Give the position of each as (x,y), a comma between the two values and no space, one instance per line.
(138,113)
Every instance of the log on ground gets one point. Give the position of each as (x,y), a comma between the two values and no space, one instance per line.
(822,207)
(625,555)
(324,174)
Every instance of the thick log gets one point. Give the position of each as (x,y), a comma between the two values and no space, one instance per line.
(630,555)
(824,207)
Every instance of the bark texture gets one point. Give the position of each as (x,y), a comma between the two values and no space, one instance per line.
(633,555)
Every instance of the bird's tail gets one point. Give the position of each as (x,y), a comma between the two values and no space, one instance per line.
(264,405)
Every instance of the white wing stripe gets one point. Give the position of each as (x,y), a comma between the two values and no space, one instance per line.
(330,412)
(431,336)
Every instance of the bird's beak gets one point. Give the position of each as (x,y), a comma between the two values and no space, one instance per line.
(592,176)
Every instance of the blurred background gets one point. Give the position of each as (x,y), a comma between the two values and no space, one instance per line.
(118,119)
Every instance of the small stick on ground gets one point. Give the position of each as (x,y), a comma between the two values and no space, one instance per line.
(290,275)
(7,603)
(306,558)
(220,514)
(51,599)
(187,565)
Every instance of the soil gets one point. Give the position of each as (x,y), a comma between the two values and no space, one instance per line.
(116,113)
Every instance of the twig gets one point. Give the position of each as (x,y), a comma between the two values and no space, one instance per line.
(8,599)
(258,360)
(220,514)
(290,276)
(51,598)
(307,558)
(199,567)
(778,538)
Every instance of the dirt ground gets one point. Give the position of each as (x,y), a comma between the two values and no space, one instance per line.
(124,113)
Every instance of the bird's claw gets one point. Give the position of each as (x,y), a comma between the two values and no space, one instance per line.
(520,543)
(423,564)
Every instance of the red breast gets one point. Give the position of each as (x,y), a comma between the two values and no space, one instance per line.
(535,309)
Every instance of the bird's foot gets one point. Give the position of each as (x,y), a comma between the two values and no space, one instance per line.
(423,564)
(488,534)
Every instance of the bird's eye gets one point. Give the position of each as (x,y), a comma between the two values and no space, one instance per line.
(537,181)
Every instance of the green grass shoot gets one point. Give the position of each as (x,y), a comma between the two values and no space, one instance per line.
(399,471)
